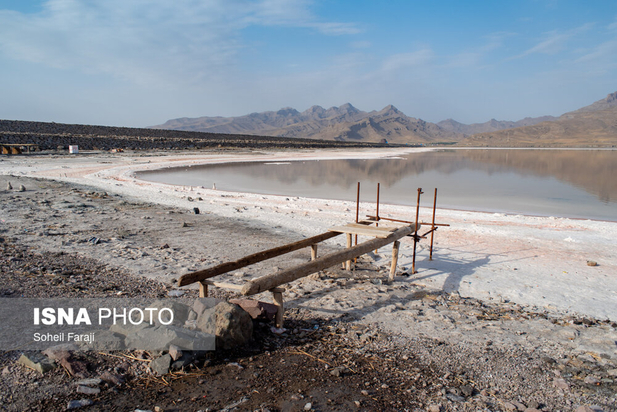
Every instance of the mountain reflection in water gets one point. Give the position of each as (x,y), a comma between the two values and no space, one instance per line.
(572,183)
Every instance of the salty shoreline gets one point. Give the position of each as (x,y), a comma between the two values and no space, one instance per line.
(553,250)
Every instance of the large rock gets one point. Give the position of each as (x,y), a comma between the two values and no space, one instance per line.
(180,311)
(202,304)
(161,337)
(257,309)
(231,324)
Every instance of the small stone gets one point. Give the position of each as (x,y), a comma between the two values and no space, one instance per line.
(509,407)
(612,372)
(455,398)
(175,352)
(357,403)
(308,406)
(161,365)
(592,263)
(184,224)
(22,188)
(467,390)
(196,210)
(79,404)
(592,380)
(89,382)
(339,371)
(561,383)
(9,187)
(584,408)
(519,406)
(434,408)
(36,361)
(533,405)
(112,378)
(86,390)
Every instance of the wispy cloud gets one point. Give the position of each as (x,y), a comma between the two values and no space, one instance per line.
(148,41)
(554,41)
(475,56)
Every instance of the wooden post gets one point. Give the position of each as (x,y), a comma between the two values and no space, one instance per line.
(348,263)
(271,281)
(430,256)
(313,252)
(277,296)
(203,290)
(395,248)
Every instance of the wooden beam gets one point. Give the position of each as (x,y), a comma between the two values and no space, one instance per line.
(193,277)
(223,285)
(382,228)
(360,230)
(268,282)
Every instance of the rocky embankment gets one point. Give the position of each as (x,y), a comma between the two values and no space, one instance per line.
(53,136)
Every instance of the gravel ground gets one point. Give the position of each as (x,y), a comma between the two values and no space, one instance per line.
(332,362)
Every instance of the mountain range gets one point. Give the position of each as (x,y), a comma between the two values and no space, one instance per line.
(597,123)
(590,126)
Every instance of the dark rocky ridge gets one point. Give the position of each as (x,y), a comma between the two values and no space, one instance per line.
(50,136)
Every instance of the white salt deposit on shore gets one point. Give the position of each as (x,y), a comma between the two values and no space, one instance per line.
(533,261)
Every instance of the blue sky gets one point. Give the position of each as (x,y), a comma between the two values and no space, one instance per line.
(140,63)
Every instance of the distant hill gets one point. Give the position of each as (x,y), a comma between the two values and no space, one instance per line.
(344,123)
(590,126)
(490,126)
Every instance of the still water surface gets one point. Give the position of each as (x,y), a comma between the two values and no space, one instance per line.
(567,183)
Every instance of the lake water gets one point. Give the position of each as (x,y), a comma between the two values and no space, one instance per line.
(565,183)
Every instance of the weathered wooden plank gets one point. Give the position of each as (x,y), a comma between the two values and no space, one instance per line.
(365,231)
(223,285)
(382,228)
(268,282)
(193,277)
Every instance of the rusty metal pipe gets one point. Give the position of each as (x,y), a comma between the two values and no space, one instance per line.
(403,221)
(415,239)
(430,256)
